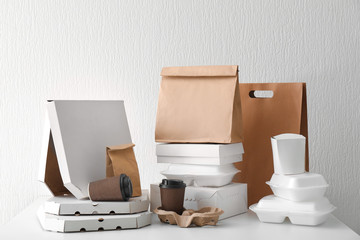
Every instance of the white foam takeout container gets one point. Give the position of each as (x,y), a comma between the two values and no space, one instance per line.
(298,187)
(273,209)
(202,175)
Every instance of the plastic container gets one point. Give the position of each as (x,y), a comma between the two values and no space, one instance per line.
(298,187)
(288,153)
(273,209)
(202,175)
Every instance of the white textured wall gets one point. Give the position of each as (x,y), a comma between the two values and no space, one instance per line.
(115,49)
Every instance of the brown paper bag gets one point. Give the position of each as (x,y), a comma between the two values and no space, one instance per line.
(199,104)
(121,159)
(285,112)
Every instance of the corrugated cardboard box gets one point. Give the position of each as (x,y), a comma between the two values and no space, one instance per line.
(69,205)
(57,223)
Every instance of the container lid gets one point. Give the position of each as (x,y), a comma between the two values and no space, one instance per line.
(302,180)
(126,187)
(172,183)
(274,203)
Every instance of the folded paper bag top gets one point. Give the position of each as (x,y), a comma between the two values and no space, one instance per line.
(199,104)
(121,159)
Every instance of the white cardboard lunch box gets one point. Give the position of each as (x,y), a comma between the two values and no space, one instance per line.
(197,153)
(273,209)
(58,223)
(75,138)
(69,205)
(231,198)
(202,175)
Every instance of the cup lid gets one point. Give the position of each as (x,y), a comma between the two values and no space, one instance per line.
(126,187)
(172,183)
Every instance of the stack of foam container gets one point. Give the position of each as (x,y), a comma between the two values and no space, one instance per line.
(207,170)
(298,195)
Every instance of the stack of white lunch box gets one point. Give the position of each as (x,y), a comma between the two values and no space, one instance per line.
(298,195)
(207,170)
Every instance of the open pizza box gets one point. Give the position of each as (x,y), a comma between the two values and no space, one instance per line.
(75,139)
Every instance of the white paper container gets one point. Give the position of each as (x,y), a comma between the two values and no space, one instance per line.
(274,210)
(209,154)
(288,153)
(69,205)
(298,187)
(202,175)
(231,198)
(57,223)
(79,131)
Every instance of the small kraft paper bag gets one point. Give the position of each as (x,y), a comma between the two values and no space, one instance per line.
(264,117)
(199,104)
(121,159)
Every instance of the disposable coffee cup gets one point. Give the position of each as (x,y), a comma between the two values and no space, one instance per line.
(118,188)
(288,153)
(172,193)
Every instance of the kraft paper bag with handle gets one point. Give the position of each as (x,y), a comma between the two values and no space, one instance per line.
(199,104)
(121,159)
(284,112)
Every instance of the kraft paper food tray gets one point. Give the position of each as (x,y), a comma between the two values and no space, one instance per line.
(69,205)
(75,139)
(231,198)
(92,223)
(210,154)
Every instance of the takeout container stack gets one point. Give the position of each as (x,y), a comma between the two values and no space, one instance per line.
(199,132)
(298,195)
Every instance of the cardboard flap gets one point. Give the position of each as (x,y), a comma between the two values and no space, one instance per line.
(121,146)
(52,172)
(199,71)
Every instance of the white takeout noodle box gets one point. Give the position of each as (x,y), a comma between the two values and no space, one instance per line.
(298,187)
(273,209)
(288,153)
(202,175)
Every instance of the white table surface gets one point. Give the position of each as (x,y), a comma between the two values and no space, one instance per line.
(245,226)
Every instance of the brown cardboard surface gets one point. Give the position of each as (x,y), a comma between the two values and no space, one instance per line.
(202,217)
(121,159)
(285,112)
(199,104)
(52,172)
